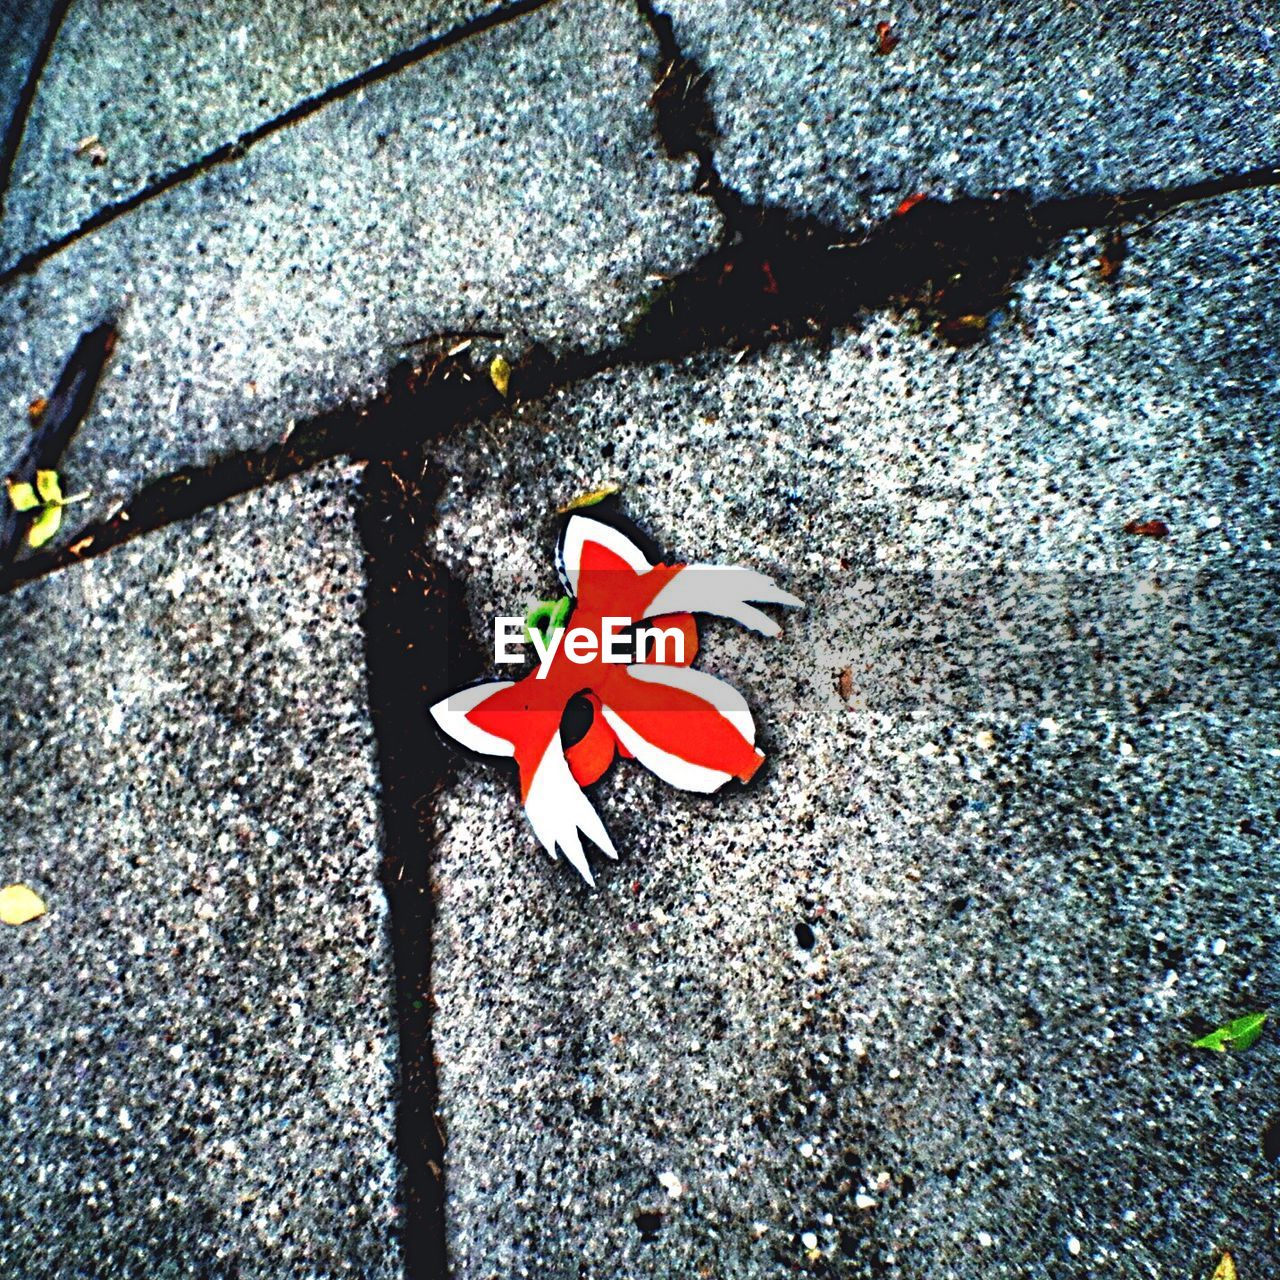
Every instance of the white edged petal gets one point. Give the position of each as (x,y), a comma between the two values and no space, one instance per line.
(669,767)
(559,810)
(578,531)
(451,715)
(723,590)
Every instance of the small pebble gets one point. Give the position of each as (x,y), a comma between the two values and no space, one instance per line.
(1073,1247)
(1219,946)
(809,1240)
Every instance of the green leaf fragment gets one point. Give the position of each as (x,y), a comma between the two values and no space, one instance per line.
(1239,1033)
(553,612)
(44,526)
(22,496)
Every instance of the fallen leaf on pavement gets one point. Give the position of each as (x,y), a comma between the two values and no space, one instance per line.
(1239,1033)
(18,904)
(1226,1269)
(1148,528)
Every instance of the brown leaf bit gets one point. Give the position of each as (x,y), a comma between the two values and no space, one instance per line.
(887,40)
(1148,528)
(36,409)
(845,684)
(963,331)
(770,280)
(1114,252)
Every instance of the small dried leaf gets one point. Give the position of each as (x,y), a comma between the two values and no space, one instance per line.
(1239,1033)
(588,499)
(45,525)
(86,143)
(48,486)
(1113,254)
(1226,1269)
(18,904)
(500,374)
(36,409)
(887,40)
(1148,528)
(22,496)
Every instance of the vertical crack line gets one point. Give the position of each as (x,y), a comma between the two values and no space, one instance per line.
(26,98)
(236,148)
(683,116)
(412,655)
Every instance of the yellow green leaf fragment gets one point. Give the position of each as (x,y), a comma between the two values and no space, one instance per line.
(44,526)
(1226,1269)
(18,905)
(1239,1033)
(22,496)
(49,487)
(588,499)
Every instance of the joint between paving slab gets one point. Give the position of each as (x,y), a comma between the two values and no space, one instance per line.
(410,650)
(776,278)
(22,108)
(682,114)
(239,146)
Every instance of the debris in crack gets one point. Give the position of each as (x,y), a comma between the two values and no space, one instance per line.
(779,276)
(683,116)
(411,656)
(57,422)
(390,422)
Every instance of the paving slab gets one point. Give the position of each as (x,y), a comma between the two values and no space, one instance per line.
(511,183)
(917,1002)
(197,1042)
(159,91)
(1031,95)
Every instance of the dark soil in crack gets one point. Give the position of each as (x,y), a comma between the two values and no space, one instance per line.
(410,601)
(777,278)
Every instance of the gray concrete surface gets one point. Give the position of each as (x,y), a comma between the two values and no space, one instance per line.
(1039,96)
(162,89)
(510,183)
(915,1004)
(1032,839)
(197,1043)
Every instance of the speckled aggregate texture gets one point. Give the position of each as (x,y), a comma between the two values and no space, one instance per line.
(1030,94)
(197,1042)
(917,1002)
(510,183)
(161,88)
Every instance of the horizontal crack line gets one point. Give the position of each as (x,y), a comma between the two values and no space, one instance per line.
(237,148)
(785,279)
